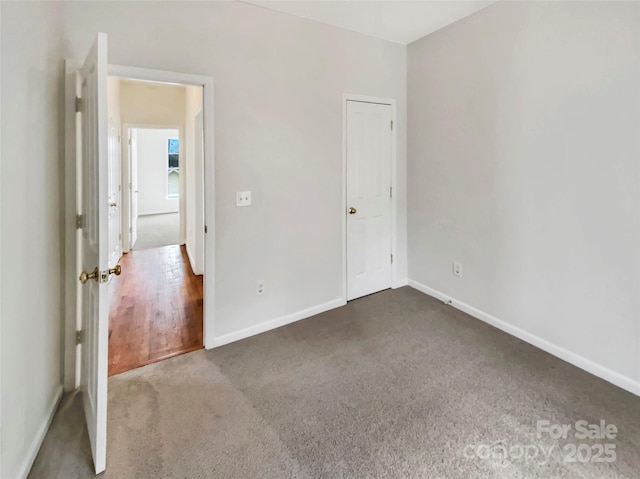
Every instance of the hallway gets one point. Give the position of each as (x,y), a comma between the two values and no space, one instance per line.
(155,231)
(155,308)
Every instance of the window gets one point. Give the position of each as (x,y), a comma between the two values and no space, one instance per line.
(173,168)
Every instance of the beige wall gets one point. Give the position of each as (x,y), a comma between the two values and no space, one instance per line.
(113,97)
(151,104)
(279,82)
(523,165)
(32,212)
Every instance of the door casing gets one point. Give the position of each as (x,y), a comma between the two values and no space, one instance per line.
(394,205)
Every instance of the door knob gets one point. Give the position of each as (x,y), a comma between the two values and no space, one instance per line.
(113,204)
(84,276)
(352,210)
(95,274)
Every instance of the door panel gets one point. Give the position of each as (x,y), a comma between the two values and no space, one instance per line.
(368,193)
(199,177)
(94,245)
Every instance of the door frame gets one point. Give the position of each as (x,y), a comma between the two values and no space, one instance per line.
(346,97)
(126,169)
(72,316)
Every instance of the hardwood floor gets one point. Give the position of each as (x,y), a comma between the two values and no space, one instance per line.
(155,308)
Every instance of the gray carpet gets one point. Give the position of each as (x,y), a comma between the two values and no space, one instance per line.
(393,385)
(158,230)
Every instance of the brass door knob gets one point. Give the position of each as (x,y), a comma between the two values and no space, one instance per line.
(95,274)
(113,204)
(84,276)
(352,210)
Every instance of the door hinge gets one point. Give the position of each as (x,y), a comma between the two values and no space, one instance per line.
(392,124)
(119,236)
(129,140)
(391,258)
(79,222)
(130,229)
(391,192)
(205,229)
(79,337)
(78,104)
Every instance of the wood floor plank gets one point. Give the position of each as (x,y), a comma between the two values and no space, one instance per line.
(155,308)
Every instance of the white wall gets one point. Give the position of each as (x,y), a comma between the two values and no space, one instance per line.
(31,211)
(279,82)
(152,172)
(193,191)
(523,165)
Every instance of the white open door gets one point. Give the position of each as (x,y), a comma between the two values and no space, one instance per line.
(199,193)
(368,198)
(133,165)
(94,245)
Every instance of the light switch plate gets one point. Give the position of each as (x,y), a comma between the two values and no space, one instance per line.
(243,198)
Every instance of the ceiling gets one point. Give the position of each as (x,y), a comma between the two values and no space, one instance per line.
(397,21)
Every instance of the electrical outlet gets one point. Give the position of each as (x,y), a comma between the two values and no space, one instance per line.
(260,287)
(243,198)
(457,269)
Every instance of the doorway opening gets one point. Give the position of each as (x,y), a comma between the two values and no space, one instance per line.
(154,173)
(156,221)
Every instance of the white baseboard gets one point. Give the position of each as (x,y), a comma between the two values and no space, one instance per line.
(399,283)
(191,261)
(160,212)
(588,365)
(276,323)
(34,447)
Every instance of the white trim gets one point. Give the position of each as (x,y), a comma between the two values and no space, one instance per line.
(157,76)
(180,186)
(346,97)
(161,212)
(399,283)
(190,256)
(277,323)
(581,362)
(199,195)
(71,235)
(34,447)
